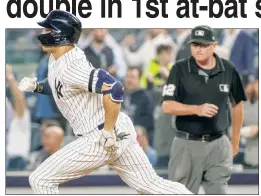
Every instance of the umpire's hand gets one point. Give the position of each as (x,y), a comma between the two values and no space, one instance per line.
(207,110)
(28,84)
(108,140)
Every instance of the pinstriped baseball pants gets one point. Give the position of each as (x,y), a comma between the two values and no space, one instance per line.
(84,155)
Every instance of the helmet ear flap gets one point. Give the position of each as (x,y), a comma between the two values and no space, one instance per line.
(46,39)
(56,36)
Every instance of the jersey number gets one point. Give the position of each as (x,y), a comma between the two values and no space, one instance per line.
(168,90)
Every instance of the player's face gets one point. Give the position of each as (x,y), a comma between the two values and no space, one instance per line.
(202,52)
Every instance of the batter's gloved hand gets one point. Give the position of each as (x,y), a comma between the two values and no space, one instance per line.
(108,141)
(122,136)
(28,84)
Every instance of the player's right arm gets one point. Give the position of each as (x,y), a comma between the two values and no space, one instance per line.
(31,85)
(172,95)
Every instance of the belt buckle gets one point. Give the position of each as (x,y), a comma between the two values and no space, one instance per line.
(187,136)
(203,138)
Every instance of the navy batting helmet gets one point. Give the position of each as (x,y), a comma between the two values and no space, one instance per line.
(65,29)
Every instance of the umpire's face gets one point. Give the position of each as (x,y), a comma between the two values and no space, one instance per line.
(202,52)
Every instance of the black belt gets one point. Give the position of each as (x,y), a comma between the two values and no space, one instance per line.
(203,138)
(100,127)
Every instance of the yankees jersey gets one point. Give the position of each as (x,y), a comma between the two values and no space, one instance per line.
(70,78)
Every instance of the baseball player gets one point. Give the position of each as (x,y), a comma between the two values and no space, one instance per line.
(90,100)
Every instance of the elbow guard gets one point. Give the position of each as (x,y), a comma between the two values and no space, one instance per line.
(116,92)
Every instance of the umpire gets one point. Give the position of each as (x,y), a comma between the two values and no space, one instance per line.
(197,92)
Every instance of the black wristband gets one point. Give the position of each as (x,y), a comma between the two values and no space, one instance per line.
(39,87)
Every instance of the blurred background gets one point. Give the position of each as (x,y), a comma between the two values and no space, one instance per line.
(141,59)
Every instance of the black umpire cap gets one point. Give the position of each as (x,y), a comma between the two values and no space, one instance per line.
(202,34)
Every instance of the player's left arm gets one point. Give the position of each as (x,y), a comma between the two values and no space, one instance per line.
(113,93)
(111,107)
(99,81)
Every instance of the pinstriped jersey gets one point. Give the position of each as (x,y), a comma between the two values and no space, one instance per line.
(70,78)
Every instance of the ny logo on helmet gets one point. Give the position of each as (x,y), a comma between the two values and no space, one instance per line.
(58,88)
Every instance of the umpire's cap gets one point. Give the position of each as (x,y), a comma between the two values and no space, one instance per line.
(202,34)
(65,29)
